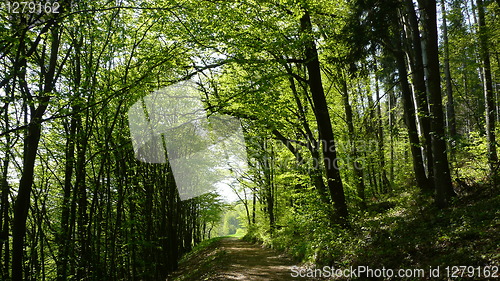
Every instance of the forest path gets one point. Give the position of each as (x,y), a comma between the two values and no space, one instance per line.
(235,259)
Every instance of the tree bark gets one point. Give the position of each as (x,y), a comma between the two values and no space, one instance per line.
(488,87)
(410,118)
(65,233)
(5,193)
(385,184)
(450,105)
(324,123)
(442,180)
(31,140)
(358,173)
(418,75)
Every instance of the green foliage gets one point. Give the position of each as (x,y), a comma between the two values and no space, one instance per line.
(231,221)
(97,213)
(471,159)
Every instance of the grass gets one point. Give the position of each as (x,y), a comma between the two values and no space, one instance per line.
(200,262)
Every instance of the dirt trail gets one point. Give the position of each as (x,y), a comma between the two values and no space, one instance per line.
(240,260)
(246,261)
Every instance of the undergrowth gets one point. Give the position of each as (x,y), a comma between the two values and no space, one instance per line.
(404,231)
(200,262)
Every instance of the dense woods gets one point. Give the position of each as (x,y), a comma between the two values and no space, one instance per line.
(361,120)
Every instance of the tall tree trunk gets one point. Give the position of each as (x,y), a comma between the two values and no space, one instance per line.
(390,105)
(254,203)
(385,184)
(410,118)
(324,123)
(65,233)
(269,182)
(81,188)
(450,105)
(4,199)
(4,222)
(358,173)
(73,128)
(31,140)
(488,87)
(418,75)
(442,180)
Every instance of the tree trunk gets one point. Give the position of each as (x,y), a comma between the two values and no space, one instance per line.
(450,105)
(358,173)
(4,200)
(268,183)
(65,233)
(254,203)
(488,88)
(81,194)
(418,75)
(442,180)
(390,105)
(385,184)
(410,118)
(324,123)
(74,124)
(31,140)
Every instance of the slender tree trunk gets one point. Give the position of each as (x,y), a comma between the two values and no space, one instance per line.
(450,105)
(358,173)
(488,87)
(65,233)
(324,124)
(4,201)
(73,127)
(31,140)
(442,180)
(269,182)
(410,119)
(418,75)
(81,195)
(390,106)
(254,203)
(4,225)
(385,184)
(247,209)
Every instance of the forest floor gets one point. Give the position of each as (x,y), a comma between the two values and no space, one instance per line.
(230,258)
(402,232)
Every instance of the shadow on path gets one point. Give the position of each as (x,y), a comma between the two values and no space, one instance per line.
(246,261)
(234,259)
